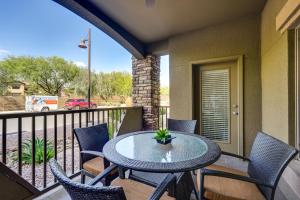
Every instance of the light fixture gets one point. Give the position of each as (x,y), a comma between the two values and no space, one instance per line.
(82,44)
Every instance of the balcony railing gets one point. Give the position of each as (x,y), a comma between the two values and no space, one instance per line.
(20,131)
(164,113)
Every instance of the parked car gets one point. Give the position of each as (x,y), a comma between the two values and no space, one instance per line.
(76,104)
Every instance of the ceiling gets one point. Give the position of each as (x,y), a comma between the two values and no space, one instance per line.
(136,26)
(171,17)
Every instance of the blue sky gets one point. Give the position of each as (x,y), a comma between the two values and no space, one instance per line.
(44,28)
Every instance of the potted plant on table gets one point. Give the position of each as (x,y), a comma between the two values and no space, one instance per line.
(163,136)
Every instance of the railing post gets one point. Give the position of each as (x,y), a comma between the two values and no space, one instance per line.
(33,151)
(4,141)
(20,145)
(72,136)
(64,141)
(45,152)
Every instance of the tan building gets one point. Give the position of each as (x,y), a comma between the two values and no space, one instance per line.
(17,88)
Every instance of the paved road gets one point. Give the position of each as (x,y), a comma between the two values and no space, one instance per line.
(12,124)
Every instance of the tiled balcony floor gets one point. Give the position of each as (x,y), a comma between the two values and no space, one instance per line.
(60,194)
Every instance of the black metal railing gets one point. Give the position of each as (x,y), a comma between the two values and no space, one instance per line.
(22,134)
(164,113)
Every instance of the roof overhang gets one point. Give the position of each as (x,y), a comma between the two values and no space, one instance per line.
(143,30)
(95,16)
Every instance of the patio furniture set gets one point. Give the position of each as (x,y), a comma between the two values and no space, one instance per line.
(135,167)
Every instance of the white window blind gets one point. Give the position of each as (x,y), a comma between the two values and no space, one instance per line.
(215,105)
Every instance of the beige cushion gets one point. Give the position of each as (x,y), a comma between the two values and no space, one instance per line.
(219,188)
(137,191)
(95,166)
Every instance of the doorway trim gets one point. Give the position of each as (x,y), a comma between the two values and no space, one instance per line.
(239,60)
(297,88)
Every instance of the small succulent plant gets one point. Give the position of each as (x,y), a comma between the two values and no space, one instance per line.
(162,135)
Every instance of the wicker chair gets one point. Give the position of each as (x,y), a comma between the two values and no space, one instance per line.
(120,189)
(184,180)
(188,126)
(268,159)
(91,141)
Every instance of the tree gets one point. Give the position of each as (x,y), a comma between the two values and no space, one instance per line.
(79,86)
(10,72)
(104,86)
(164,90)
(44,75)
(122,85)
(3,80)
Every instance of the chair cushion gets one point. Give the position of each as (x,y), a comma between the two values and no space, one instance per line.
(95,166)
(219,188)
(137,191)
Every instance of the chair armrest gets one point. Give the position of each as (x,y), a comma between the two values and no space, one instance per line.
(235,155)
(94,153)
(170,180)
(210,172)
(102,175)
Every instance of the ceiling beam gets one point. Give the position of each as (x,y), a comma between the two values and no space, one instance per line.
(98,18)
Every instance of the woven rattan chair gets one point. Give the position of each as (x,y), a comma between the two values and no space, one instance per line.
(268,159)
(91,141)
(121,189)
(188,126)
(184,180)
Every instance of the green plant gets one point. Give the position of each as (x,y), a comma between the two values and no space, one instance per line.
(162,111)
(110,131)
(39,151)
(162,135)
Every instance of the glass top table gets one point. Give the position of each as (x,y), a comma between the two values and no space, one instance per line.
(139,151)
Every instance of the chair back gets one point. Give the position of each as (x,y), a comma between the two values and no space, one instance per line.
(78,191)
(15,187)
(187,126)
(268,159)
(91,139)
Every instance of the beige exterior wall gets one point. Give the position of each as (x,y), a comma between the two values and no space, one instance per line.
(274,74)
(240,37)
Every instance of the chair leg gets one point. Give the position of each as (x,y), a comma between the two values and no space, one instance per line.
(196,192)
(82,178)
(202,187)
(193,173)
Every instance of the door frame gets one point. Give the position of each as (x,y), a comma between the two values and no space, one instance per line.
(239,60)
(297,88)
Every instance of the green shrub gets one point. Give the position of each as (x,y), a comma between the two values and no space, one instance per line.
(110,131)
(162,111)
(39,151)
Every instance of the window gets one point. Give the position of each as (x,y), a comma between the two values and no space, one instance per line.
(215,93)
(16,86)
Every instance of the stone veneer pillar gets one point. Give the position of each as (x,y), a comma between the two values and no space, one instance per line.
(146,88)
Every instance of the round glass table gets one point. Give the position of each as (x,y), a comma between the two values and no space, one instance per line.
(139,151)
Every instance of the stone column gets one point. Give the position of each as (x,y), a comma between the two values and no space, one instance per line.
(146,89)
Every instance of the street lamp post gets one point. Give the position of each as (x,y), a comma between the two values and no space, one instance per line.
(82,45)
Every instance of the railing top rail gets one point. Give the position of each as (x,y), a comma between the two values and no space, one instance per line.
(59,112)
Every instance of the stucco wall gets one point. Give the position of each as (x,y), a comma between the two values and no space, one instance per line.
(240,37)
(274,73)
